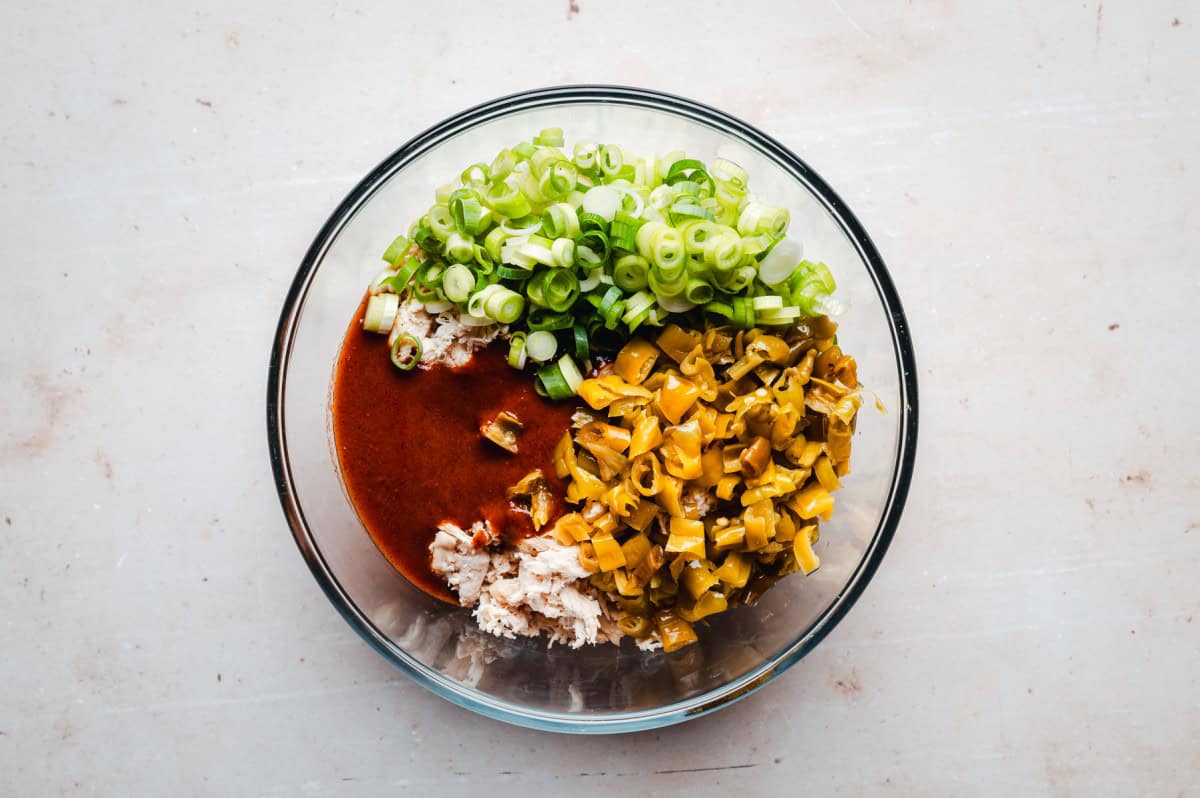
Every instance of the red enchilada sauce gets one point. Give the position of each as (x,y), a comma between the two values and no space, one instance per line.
(411,454)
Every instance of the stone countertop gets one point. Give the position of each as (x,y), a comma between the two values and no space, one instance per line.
(1029,173)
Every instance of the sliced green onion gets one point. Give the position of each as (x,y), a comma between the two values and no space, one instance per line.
(611,307)
(724,252)
(536,253)
(430,274)
(729,174)
(622,233)
(426,293)
(457,283)
(484,260)
(559,380)
(441,221)
(592,280)
(611,159)
(507,200)
(494,242)
(506,272)
(504,305)
(812,287)
(781,262)
(665,286)
(382,281)
(663,246)
(422,234)
(595,242)
(583,352)
(477,302)
(560,289)
(475,175)
(570,373)
(662,197)
(603,201)
(737,280)
(585,154)
(559,180)
(404,274)
(560,221)
(743,312)
(549,137)
(524,226)
(757,217)
(592,221)
(642,239)
(677,303)
(698,292)
(459,248)
(406,351)
(396,249)
(784,315)
(516,351)
(637,305)
(755,246)
(541,345)
(466,210)
(683,210)
(545,319)
(504,162)
(629,272)
(563,251)
(381,313)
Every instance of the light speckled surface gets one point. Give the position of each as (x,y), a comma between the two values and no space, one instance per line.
(1029,173)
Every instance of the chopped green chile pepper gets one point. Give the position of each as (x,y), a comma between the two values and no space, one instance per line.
(406,352)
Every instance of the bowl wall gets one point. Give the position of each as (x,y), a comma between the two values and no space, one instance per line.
(602,688)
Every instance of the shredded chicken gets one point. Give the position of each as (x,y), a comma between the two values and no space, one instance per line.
(444,338)
(537,586)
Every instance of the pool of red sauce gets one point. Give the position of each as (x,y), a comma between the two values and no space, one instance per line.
(411,454)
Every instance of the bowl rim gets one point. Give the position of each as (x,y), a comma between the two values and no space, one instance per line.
(622,721)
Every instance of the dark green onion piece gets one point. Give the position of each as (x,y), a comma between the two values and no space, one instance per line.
(507,272)
(543,319)
(552,381)
(583,352)
(596,241)
(422,234)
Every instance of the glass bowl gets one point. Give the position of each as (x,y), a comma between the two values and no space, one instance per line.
(595,689)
